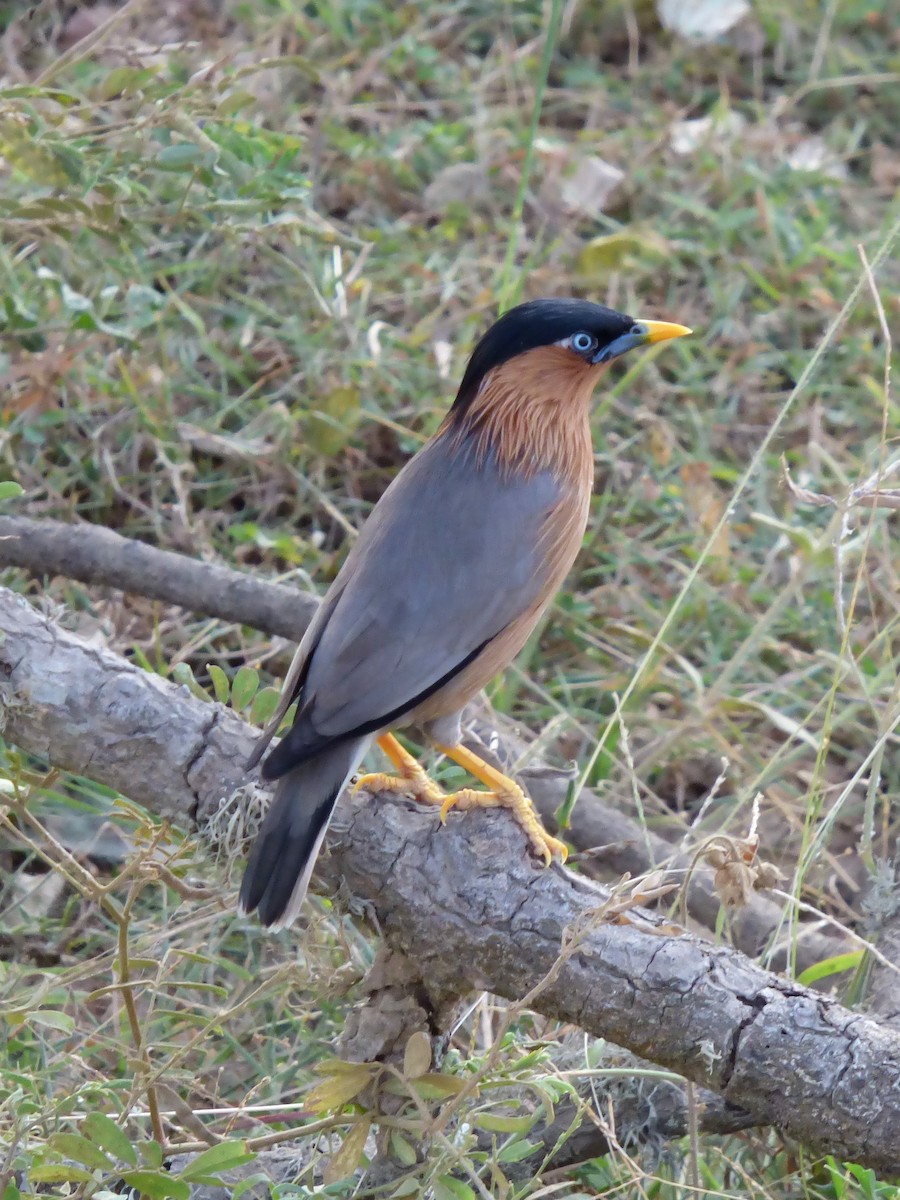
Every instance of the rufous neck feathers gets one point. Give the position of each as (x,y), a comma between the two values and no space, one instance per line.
(532,414)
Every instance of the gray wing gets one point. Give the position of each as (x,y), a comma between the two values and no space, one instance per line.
(449,557)
(293,682)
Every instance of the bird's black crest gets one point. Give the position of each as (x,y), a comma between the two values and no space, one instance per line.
(536,323)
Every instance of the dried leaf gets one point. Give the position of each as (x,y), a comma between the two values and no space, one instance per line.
(330,427)
(814,154)
(464,184)
(590,187)
(350,1154)
(336,1091)
(704,502)
(716,129)
(417,1056)
(663,441)
(734,884)
(616,250)
(437,1086)
(701,21)
(738,870)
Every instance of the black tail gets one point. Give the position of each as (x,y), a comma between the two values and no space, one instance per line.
(288,844)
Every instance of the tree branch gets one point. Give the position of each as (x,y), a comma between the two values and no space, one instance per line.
(467,904)
(620,846)
(95,555)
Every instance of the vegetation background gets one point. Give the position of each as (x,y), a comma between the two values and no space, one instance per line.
(246,249)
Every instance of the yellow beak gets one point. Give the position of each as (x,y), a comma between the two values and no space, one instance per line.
(642,333)
(661,331)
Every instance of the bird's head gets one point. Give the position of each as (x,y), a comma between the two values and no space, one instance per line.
(561,339)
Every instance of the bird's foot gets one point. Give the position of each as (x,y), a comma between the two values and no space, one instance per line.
(411,780)
(512,797)
(503,792)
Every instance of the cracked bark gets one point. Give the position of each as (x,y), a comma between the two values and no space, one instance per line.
(625,851)
(95,555)
(466,903)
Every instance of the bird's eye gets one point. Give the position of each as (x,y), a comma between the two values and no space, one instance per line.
(583,343)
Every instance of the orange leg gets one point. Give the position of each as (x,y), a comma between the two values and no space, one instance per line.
(504,793)
(412,779)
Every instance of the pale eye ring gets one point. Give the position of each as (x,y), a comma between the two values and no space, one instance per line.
(583,343)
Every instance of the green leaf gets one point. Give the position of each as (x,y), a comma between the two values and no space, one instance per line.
(264,704)
(123,81)
(494,1123)
(516,1151)
(448,1188)
(105,1133)
(411,1186)
(243,688)
(563,814)
(73,1145)
(252,1181)
(838,1180)
(220,682)
(605,762)
(223,1157)
(234,102)
(835,965)
(183,673)
(865,1177)
(181,156)
(75,301)
(18,315)
(9,488)
(59,1173)
(158,1185)
(152,1154)
(402,1150)
(143,306)
(529,1060)
(52,1018)
(30,91)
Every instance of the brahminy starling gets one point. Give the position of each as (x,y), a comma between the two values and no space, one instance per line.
(447,579)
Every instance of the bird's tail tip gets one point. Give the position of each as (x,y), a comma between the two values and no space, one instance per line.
(281,862)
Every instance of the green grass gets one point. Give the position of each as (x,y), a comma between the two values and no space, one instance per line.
(221,294)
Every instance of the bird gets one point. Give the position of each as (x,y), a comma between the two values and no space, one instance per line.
(448,577)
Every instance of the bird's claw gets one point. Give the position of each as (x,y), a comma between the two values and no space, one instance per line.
(415,784)
(411,779)
(543,844)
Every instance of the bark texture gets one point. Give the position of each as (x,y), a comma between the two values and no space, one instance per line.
(626,848)
(466,903)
